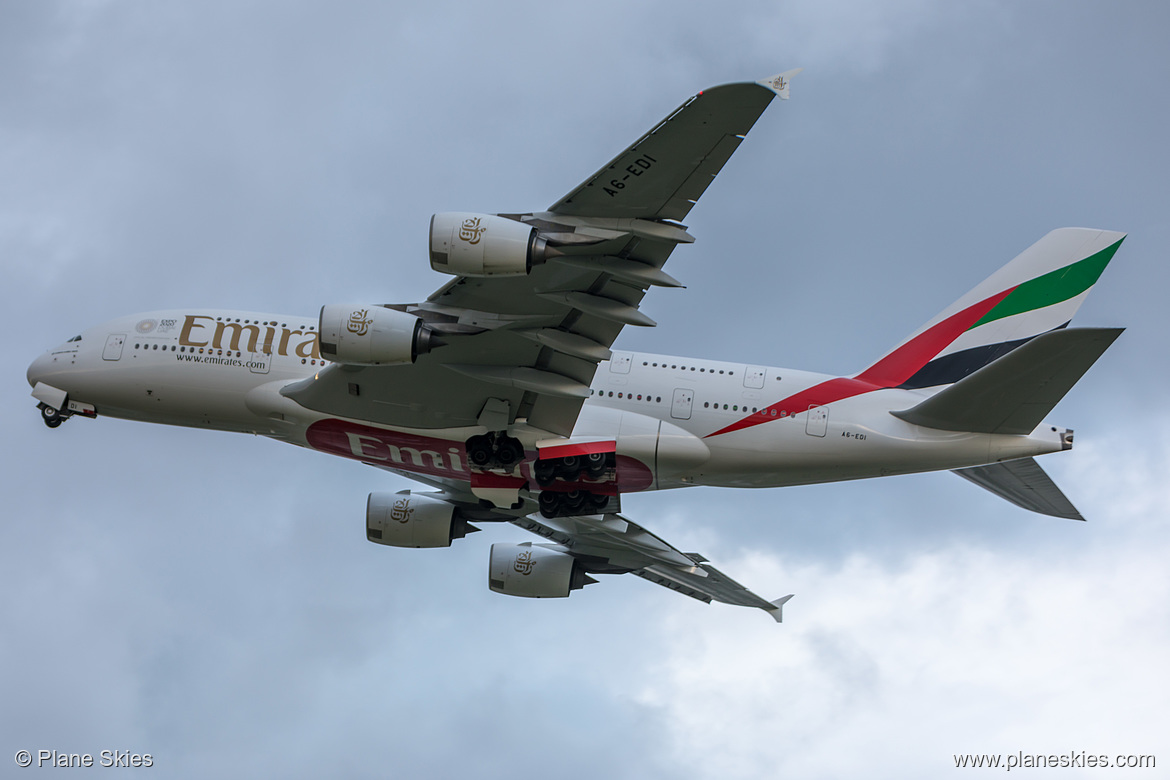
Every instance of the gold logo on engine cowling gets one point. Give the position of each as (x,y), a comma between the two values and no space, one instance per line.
(471,232)
(358,323)
(524,563)
(401,511)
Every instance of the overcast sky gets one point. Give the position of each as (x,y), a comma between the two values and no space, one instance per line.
(210,598)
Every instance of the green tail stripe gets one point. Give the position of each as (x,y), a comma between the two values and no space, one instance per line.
(1053,287)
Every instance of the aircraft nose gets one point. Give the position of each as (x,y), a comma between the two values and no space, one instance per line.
(38,369)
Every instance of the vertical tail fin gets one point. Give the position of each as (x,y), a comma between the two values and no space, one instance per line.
(1037,292)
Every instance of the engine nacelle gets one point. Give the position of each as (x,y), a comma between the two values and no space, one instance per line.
(408,519)
(372,335)
(482,245)
(534,572)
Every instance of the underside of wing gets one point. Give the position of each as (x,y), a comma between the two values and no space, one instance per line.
(539,298)
(1025,484)
(665,171)
(604,544)
(612,544)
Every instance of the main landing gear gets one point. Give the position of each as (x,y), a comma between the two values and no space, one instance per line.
(573,502)
(496,450)
(581,484)
(576,484)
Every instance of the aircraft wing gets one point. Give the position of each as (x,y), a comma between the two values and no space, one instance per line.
(527,346)
(612,544)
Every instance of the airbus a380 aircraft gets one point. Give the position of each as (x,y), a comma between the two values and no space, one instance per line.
(502,391)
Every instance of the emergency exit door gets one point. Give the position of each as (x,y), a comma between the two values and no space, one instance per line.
(818,421)
(114,344)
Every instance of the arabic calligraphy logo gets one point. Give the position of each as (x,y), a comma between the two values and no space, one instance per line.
(358,323)
(524,563)
(401,511)
(779,84)
(471,231)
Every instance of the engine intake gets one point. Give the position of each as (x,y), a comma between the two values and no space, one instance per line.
(408,519)
(364,335)
(484,245)
(534,572)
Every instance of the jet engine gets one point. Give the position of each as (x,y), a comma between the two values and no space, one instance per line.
(482,245)
(408,519)
(373,335)
(534,572)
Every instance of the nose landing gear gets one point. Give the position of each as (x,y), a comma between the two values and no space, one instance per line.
(52,417)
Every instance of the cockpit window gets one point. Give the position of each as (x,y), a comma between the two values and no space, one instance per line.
(75,338)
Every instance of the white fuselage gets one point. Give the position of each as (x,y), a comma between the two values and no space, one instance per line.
(687,421)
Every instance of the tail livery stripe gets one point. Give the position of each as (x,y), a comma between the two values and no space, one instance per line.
(891,371)
(916,363)
(950,368)
(901,364)
(1053,287)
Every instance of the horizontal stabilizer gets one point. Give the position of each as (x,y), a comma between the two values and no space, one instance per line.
(1025,484)
(1013,394)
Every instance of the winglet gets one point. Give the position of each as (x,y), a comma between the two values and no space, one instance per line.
(779,82)
(777,610)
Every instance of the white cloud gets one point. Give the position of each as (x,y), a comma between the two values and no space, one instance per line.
(884,670)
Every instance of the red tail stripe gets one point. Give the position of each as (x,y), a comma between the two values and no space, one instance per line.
(905,361)
(891,371)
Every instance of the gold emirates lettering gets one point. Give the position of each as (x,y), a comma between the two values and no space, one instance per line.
(524,563)
(254,338)
(470,231)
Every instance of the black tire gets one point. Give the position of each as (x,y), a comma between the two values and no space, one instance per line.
(479,451)
(51,416)
(509,452)
(550,503)
(595,465)
(545,472)
(574,500)
(569,468)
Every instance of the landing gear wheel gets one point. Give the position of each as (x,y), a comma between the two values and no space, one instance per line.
(545,472)
(596,501)
(550,503)
(51,416)
(479,451)
(574,500)
(508,451)
(595,464)
(569,467)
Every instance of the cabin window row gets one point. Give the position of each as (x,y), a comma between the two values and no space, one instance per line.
(626,396)
(701,370)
